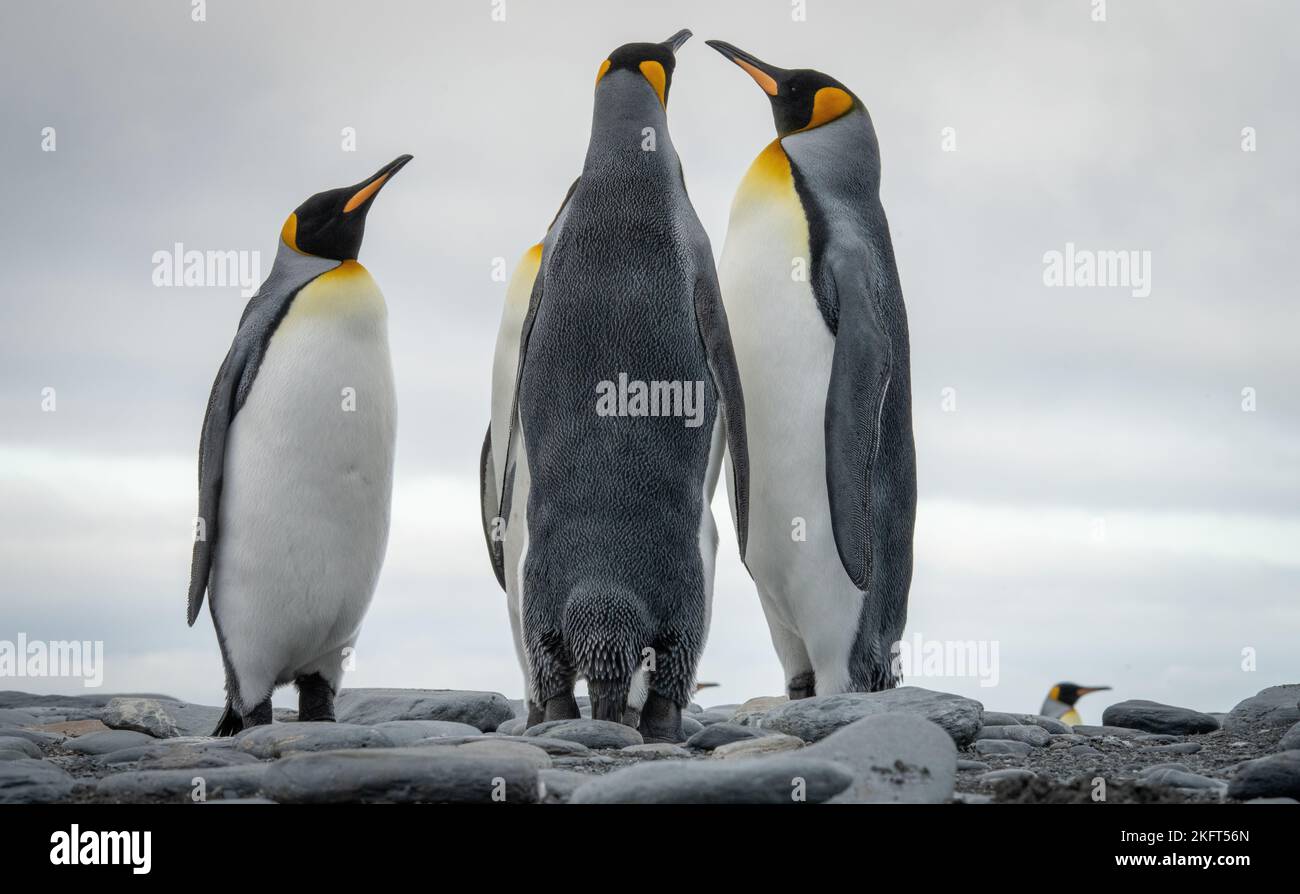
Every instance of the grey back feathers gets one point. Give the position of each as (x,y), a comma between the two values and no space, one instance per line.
(614,563)
(291,271)
(870,462)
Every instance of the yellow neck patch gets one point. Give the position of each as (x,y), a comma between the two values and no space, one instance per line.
(829,103)
(654,73)
(289,233)
(604,67)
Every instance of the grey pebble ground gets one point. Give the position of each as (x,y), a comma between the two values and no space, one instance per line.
(447,746)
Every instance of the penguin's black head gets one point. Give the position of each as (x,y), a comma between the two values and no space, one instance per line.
(653,61)
(801,98)
(330,224)
(1069,693)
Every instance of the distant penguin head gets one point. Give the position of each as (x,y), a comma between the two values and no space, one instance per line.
(330,224)
(801,98)
(1069,693)
(651,62)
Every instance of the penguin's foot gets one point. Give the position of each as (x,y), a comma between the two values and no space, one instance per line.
(632,718)
(315,699)
(536,713)
(259,716)
(561,707)
(802,685)
(661,720)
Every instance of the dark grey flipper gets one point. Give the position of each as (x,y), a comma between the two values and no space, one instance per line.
(860,377)
(711,318)
(234,380)
(871,456)
(490,503)
(495,504)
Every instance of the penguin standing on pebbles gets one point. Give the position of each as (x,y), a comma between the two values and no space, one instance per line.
(296,466)
(820,333)
(625,397)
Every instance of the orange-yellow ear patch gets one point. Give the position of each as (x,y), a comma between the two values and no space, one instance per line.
(289,232)
(604,67)
(829,104)
(654,73)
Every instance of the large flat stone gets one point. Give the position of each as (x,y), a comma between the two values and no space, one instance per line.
(17,717)
(108,741)
(278,739)
(1183,779)
(1153,717)
(408,732)
(1030,735)
(35,736)
(1276,706)
(753,709)
(506,748)
(163,718)
(180,785)
(1002,746)
(554,747)
(33,781)
(144,715)
(770,780)
(592,733)
(716,734)
(178,757)
(14,743)
(433,775)
(812,719)
(895,758)
(772,743)
(1275,776)
(482,710)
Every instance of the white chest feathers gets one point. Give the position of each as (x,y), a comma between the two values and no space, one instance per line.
(308,478)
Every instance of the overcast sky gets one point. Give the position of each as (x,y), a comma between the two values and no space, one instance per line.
(1098,504)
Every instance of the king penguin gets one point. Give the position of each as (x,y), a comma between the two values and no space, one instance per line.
(820,334)
(1061,700)
(608,534)
(504,551)
(296,466)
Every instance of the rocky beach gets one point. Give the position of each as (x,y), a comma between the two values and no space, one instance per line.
(906,745)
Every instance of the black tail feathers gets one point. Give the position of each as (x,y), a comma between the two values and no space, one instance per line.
(230,723)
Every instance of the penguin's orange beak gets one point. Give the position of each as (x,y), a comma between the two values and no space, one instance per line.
(370,187)
(764,75)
